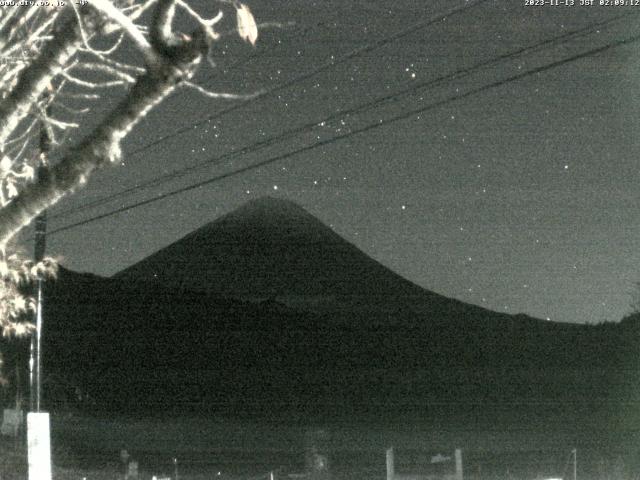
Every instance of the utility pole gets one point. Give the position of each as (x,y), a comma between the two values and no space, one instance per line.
(35,362)
(38,423)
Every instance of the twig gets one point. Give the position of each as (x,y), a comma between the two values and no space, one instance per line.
(205,24)
(226,96)
(92,85)
(107,8)
(98,67)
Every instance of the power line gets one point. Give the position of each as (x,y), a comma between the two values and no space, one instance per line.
(346,112)
(365,129)
(295,80)
(358,131)
(305,76)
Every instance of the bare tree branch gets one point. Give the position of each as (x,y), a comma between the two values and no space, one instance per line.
(106,52)
(53,61)
(92,85)
(15,22)
(102,146)
(107,69)
(34,79)
(226,96)
(106,7)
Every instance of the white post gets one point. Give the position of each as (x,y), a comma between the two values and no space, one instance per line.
(270,475)
(458,464)
(575,464)
(390,466)
(38,446)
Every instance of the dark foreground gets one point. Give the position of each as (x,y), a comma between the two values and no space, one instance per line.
(210,448)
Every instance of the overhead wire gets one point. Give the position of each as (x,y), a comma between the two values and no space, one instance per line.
(331,63)
(456,75)
(403,116)
(298,79)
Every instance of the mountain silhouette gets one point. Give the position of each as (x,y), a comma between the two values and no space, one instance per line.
(267,310)
(272,248)
(268,247)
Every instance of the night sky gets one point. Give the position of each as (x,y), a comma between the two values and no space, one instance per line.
(521,197)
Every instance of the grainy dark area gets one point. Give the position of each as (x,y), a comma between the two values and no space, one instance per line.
(422,234)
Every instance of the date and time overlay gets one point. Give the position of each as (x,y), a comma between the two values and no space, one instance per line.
(581,3)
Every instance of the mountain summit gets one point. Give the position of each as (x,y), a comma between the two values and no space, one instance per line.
(268,310)
(269,248)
